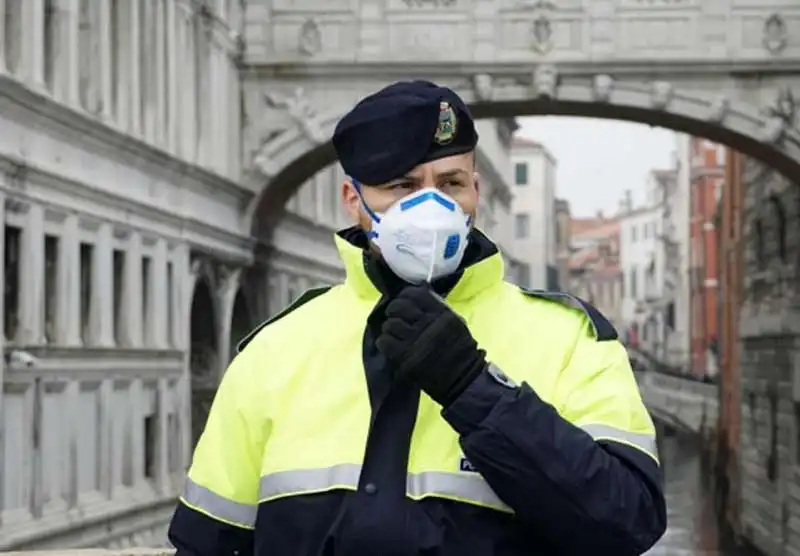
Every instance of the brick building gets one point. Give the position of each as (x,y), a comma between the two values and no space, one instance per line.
(706,175)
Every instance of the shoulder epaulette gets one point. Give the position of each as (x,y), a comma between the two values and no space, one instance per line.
(603,330)
(306,296)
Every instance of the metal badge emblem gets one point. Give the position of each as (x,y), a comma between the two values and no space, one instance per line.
(448,124)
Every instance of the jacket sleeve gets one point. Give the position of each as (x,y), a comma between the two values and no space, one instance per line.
(585,475)
(216,512)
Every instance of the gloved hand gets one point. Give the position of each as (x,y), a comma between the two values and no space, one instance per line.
(429,345)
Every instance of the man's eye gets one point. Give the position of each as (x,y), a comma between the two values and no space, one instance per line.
(400,186)
(452,183)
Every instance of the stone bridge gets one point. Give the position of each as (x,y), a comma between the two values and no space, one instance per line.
(682,403)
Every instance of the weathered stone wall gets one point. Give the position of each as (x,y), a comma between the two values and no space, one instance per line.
(770,361)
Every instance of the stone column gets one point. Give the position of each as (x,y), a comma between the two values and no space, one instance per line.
(162,449)
(71,46)
(218,103)
(188,89)
(159,297)
(102,288)
(2,335)
(135,85)
(32,278)
(226,293)
(173,82)
(158,25)
(106,58)
(184,286)
(132,299)
(33,43)
(123,76)
(146,87)
(69,283)
(3,68)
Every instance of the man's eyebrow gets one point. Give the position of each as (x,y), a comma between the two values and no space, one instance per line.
(452,173)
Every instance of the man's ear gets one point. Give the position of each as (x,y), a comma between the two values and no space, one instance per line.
(476,179)
(351,201)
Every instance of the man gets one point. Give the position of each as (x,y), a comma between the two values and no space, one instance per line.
(372,418)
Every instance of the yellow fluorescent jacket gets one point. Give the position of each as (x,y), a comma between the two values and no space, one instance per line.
(292,412)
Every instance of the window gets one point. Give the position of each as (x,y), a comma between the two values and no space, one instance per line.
(50,43)
(524,276)
(170,303)
(632,283)
(522,226)
(118,286)
(146,274)
(87,259)
(150,436)
(11,271)
(521,173)
(50,287)
(633,234)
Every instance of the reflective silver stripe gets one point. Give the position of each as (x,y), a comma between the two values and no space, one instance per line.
(465,487)
(645,442)
(235,513)
(304,481)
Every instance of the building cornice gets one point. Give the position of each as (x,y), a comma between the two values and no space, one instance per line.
(96,134)
(181,226)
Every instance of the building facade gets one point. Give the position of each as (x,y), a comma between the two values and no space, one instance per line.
(121,198)
(707,174)
(594,265)
(534,209)
(676,246)
(641,263)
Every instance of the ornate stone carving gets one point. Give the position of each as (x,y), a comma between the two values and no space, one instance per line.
(542,27)
(430,3)
(545,81)
(661,94)
(483,86)
(781,115)
(284,113)
(719,109)
(603,87)
(775,34)
(309,41)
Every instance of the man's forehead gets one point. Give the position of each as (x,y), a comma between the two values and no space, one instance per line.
(458,164)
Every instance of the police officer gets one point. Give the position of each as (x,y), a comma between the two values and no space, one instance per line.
(424,406)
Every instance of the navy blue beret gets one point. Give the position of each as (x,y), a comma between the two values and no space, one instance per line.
(401,126)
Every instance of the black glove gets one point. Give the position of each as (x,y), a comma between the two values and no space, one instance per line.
(429,345)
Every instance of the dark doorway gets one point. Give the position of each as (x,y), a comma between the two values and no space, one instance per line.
(204,356)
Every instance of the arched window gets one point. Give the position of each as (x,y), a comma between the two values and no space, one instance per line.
(779,226)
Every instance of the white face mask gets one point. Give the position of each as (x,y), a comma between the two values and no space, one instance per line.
(421,236)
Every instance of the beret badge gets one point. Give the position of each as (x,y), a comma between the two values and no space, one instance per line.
(447,127)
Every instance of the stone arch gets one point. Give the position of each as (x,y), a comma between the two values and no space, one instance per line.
(241,321)
(203,353)
(296,154)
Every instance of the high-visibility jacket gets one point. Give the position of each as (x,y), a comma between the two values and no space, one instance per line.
(310,449)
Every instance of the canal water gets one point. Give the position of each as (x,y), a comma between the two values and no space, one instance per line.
(693,525)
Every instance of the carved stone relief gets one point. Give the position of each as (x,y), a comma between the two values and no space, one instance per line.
(719,109)
(483,86)
(542,27)
(781,114)
(309,41)
(430,3)
(545,81)
(284,113)
(775,34)
(603,87)
(661,94)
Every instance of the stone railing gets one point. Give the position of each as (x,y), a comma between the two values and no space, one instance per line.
(684,403)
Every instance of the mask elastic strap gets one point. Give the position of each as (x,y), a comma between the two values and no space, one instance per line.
(433,259)
(372,234)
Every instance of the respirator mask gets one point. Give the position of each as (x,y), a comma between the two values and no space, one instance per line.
(422,236)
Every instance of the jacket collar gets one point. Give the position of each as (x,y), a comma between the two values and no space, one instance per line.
(369,276)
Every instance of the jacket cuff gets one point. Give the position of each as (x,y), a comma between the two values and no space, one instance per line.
(478,400)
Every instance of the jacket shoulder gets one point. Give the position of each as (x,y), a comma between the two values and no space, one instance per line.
(603,329)
(305,298)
